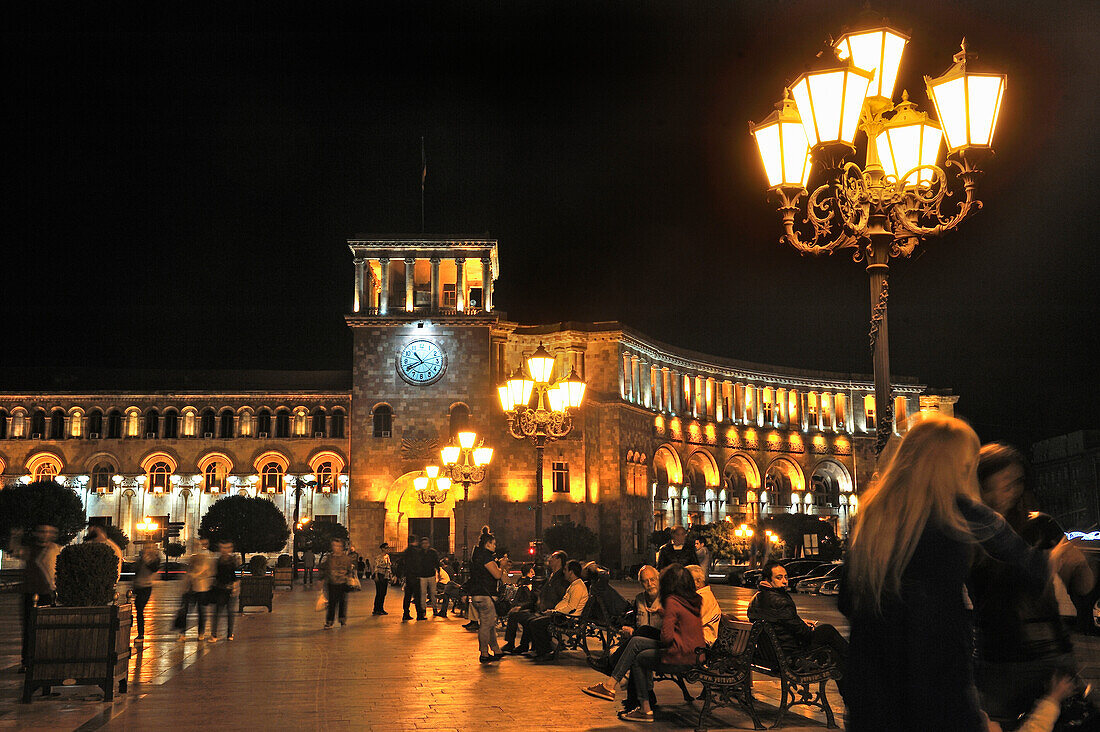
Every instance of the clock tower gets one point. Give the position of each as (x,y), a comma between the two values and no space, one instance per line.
(422,320)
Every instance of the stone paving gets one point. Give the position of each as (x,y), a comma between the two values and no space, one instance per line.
(283,672)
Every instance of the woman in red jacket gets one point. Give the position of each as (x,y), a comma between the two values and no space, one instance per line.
(681,634)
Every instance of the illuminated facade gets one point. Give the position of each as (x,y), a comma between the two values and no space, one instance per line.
(666,436)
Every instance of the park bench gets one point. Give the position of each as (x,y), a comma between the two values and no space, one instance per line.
(802,675)
(725,670)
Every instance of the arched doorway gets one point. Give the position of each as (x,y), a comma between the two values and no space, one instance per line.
(701,479)
(830,491)
(783,486)
(669,475)
(406,515)
(742,480)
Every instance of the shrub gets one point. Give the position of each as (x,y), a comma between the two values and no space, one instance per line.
(175,549)
(86,575)
(284,560)
(257,565)
(319,535)
(42,502)
(578,541)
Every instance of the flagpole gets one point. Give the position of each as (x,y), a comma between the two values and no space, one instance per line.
(423,177)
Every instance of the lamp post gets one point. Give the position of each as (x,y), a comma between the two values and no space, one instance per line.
(466,465)
(549,420)
(431,488)
(885,209)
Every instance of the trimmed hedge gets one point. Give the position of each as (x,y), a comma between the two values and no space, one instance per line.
(86,575)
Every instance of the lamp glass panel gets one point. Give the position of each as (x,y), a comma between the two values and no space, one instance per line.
(420,482)
(466,439)
(443,484)
(876,51)
(984,103)
(541,368)
(930,153)
(576,393)
(432,471)
(950,99)
(854,92)
(505,398)
(556,398)
(770,146)
(519,390)
(483,455)
(450,454)
(792,136)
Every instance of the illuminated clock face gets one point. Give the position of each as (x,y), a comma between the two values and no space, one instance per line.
(421,362)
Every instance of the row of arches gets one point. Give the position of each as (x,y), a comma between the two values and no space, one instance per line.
(171,423)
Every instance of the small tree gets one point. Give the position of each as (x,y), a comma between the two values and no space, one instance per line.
(578,541)
(175,549)
(720,540)
(252,524)
(86,575)
(42,502)
(319,535)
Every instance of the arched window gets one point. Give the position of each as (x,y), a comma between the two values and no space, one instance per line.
(38,424)
(45,471)
(152,424)
(460,419)
(3,424)
(102,474)
(57,424)
(114,425)
(214,477)
(317,428)
(271,478)
(383,421)
(95,424)
(324,477)
(160,475)
(282,423)
(336,424)
(263,423)
(171,424)
(206,426)
(225,424)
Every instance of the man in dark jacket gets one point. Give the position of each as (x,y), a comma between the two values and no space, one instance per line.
(410,566)
(774,605)
(549,595)
(676,551)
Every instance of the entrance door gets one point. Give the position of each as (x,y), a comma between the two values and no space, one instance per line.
(422,527)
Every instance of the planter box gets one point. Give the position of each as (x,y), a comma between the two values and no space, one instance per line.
(284,577)
(78,646)
(256,592)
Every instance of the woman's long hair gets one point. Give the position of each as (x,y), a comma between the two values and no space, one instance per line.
(933,466)
(675,580)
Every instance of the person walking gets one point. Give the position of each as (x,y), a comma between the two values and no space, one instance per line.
(677,550)
(484,575)
(410,566)
(383,573)
(429,577)
(337,569)
(910,643)
(200,577)
(309,561)
(148,565)
(225,586)
(704,557)
(39,578)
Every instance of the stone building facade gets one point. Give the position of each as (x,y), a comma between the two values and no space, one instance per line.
(1067,478)
(665,436)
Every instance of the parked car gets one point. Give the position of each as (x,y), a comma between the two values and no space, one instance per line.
(830,587)
(814,585)
(725,570)
(794,567)
(819,571)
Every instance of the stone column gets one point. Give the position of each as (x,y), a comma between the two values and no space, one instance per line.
(384,297)
(626,374)
(487,284)
(410,281)
(460,284)
(358,300)
(636,379)
(435,284)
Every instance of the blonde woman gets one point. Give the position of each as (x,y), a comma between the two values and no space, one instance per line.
(909,663)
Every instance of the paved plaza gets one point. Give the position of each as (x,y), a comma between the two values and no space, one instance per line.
(377,673)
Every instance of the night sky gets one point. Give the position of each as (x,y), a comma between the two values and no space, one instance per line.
(179,195)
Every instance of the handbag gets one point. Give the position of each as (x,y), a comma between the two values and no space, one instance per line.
(354,585)
(322,602)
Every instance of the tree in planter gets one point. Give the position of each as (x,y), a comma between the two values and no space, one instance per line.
(252,524)
(720,540)
(42,502)
(578,541)
(86,575)
(116,535)
(175,549)
(319,535)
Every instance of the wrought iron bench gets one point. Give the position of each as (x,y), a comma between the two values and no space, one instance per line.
(798,673)
(725,670)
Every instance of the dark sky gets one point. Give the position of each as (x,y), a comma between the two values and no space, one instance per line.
(178,195)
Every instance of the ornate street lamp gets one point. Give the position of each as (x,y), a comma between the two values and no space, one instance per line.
(549,420)
(886,208)
(431,489)
(466,465)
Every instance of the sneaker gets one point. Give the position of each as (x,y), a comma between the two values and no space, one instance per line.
(485,659)
(378,612)
(212,639)
(599,691)
(229,637)
(636,715)
(383,613)
(343,623)
(328,626)
(508,648)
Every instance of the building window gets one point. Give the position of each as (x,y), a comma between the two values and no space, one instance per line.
(450,296)
(324,477)
(317,428)
(171,425)
(57,424)
(225,424)
(38,424)
(383,421)
(152,424)
(460,419)
(114,425)
(767,410)
(272,478)
(206,423)
(559,473)
(45,471)
(282,423)
(214,478)
(3,424)
(336,424)
(263,423)
(101,478)
(869,411)
(160,477)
